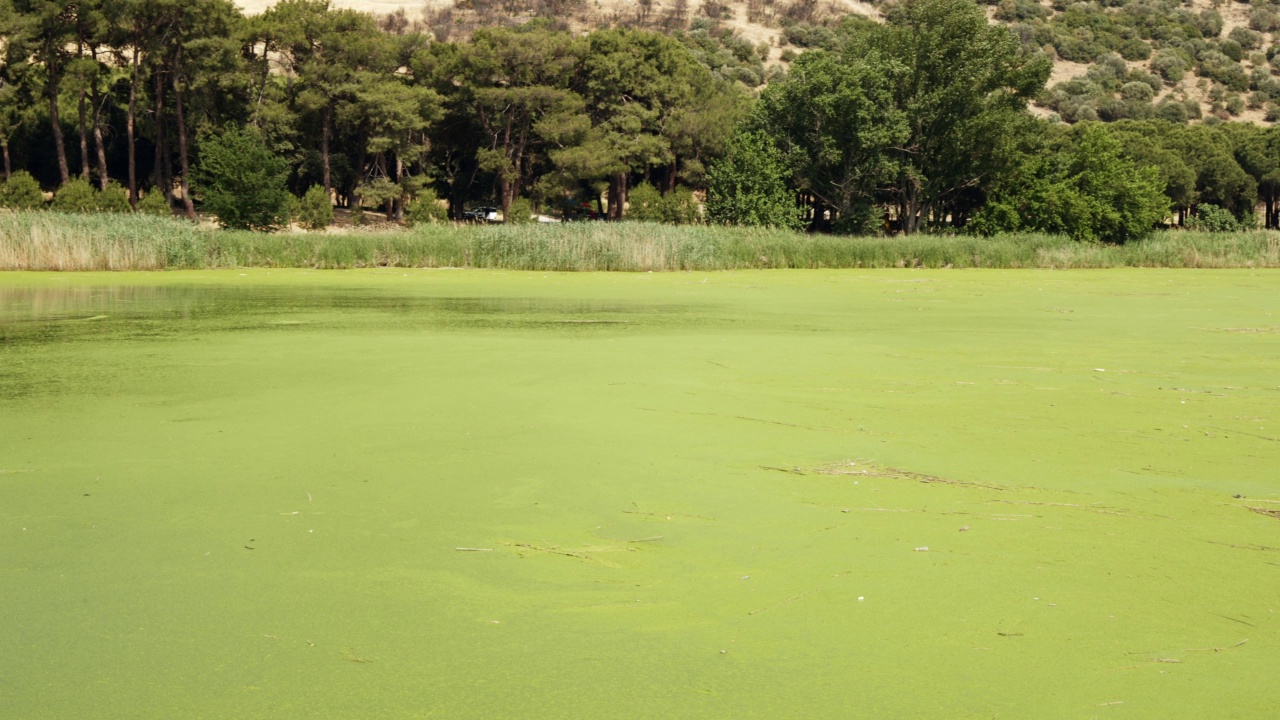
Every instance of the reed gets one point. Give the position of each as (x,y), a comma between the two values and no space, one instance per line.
(52,241)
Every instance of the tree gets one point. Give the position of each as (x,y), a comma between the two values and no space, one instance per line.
(242,182)
(833,122)
(633,83)
(324,49)
(521,100)
(1087,189)
(918,112)
(47,32)
(748,185)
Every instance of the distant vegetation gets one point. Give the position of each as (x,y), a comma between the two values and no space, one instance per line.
(53,241)
(918,123)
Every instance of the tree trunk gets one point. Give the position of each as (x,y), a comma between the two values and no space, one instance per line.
(399,201)
(129,131)
(617,195)
(182,143)
(64,173)
(1270,203)
(671,176)
(912,210)
(7,168)
(504,195)
(161,170)
(97,131)
(324,146)
(84,127)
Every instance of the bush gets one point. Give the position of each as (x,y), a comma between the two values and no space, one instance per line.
(155,203)
(314,211)
(1264,19)
(21,192)
(425,208)
(77,196)
(1247,39)
(114,199)
(1139,91)
(643,203)
(680,207)
(242,181)
(520,212)
(1211,218)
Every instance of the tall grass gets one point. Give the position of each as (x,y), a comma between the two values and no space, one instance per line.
(51,241)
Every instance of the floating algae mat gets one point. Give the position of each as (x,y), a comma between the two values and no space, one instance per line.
(467,494)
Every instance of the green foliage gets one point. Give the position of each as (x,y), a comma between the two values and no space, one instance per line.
(242,181)
(1088,191)
(914,110)
(1170,65)
(680,207)
(314,210)
(1211,218)
(21,192)
(114,198)
(77,196)
(154,203)
(520,212)
(748,186)
(643,203)
(426,208)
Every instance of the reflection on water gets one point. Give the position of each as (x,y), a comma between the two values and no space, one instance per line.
(45,332)
(43,315)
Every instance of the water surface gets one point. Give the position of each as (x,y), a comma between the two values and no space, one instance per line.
(887,494)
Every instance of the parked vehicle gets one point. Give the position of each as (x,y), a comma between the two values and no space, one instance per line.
(481,214)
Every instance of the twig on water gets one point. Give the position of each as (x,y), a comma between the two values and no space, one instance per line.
(784,602)
(791,471)
(664,516)
(471,549)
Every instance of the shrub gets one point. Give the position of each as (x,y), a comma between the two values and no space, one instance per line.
(1247,39)
(114,199)
(1231,49)
(314,211)
(242,181)
(643,203)
(1139,91)
(1211,218)
(76,196)
(520,212)
(680,207)
(1264,19)
(21,192)
(155,203)
(425,208)
(1172,111)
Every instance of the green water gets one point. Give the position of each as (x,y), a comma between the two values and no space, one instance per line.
(242,494)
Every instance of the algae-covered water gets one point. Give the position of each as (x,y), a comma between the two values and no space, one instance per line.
(465,494)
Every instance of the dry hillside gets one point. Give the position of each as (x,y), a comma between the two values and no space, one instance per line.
(766,22)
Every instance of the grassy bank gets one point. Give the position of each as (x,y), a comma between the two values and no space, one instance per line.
(50,241)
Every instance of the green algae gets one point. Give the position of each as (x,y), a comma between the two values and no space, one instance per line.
(889,494)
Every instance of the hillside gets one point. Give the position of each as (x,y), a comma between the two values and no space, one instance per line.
(1184,61)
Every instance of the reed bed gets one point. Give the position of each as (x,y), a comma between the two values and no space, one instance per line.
(52,241)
